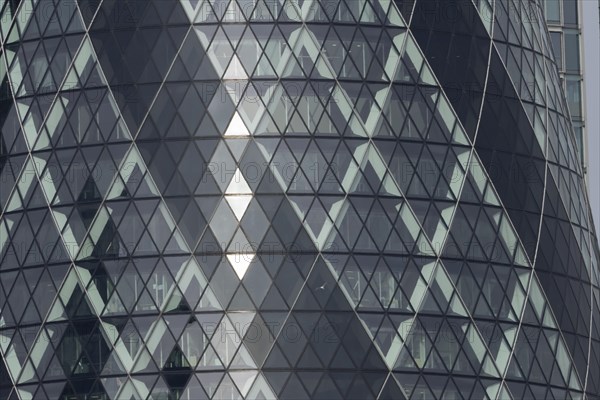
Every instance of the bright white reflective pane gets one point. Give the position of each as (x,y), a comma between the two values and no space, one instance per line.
(240,263)
(238,184)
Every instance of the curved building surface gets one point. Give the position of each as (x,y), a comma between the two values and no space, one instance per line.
(290,199)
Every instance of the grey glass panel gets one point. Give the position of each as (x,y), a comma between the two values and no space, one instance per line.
(580,142)
(556,38)
(572,58)
(570,12)
(574,96)
(552,10)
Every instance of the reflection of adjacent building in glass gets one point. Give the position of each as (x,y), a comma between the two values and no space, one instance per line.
(563,18)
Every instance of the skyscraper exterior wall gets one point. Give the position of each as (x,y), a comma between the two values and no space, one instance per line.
(261,199)
(564,23)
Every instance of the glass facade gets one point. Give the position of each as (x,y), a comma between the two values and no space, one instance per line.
(564,24)
(287,199)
